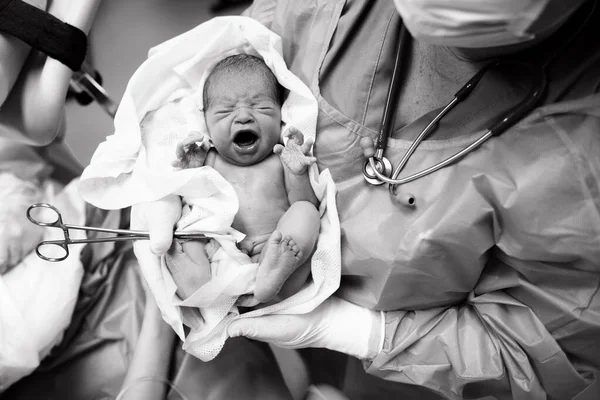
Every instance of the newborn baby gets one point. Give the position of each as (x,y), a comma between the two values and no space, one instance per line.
(277,206)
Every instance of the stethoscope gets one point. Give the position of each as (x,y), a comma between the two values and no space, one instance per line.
(378,169)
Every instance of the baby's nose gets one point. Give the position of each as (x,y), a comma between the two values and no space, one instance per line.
(243,116)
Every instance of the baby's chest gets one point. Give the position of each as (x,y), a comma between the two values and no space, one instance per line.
(263,183)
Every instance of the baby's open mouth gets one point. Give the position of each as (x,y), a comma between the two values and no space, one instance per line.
(245,138)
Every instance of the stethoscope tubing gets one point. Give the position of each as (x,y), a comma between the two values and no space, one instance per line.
(502,123)
(387,119)
(394,181)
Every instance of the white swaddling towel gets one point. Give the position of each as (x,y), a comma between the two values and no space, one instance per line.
(134,165)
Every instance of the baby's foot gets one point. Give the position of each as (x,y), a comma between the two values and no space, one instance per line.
(294,155)
(281,256)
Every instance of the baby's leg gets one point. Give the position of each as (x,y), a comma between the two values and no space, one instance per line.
(189,266)
(290,246)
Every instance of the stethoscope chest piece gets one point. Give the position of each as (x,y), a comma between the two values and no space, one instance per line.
(383,165)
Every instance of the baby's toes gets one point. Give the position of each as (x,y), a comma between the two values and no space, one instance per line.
(286,240)
(295,248)
(291,245)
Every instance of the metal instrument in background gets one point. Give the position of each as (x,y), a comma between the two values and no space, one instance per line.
(87,86)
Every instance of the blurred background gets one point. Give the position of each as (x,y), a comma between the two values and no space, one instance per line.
(121,36)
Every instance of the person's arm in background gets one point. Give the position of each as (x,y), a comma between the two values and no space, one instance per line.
(34,112)
(13,53)
(32,96)
(147,373)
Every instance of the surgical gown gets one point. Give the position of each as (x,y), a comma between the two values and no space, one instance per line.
(489,285)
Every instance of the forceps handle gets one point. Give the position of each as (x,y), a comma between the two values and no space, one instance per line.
(58,223)
(64,243)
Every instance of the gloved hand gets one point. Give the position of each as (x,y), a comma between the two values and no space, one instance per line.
(159,218)
(18,236)
(336,325)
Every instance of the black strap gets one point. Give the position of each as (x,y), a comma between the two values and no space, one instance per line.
(43,32)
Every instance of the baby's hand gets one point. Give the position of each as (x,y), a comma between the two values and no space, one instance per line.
(192,151)
(294,155)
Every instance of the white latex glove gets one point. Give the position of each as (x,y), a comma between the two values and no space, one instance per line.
(159,218)
(336,325)
(18,236)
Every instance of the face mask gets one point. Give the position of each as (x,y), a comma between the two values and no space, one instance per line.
(470,23)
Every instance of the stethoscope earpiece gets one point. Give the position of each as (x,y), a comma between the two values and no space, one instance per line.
(406,199)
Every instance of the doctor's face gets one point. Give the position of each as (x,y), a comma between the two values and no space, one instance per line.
(486,27)
(243,117)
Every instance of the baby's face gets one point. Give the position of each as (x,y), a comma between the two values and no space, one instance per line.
(243,119)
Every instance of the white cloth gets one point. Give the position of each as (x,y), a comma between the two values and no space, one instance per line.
(37,297)
(134,165)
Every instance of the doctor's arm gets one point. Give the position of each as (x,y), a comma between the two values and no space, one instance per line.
(528,329)
(492,339)
(490,345)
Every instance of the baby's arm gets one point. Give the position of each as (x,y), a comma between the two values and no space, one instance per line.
(192,151)
(295,159)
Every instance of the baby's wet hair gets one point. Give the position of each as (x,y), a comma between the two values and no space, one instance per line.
(241,64)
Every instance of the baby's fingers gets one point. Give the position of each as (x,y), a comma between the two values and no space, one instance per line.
(310,160)
(193,138)
(278,148)
(307,145)
(177,164)
(180,151)
(294,134)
